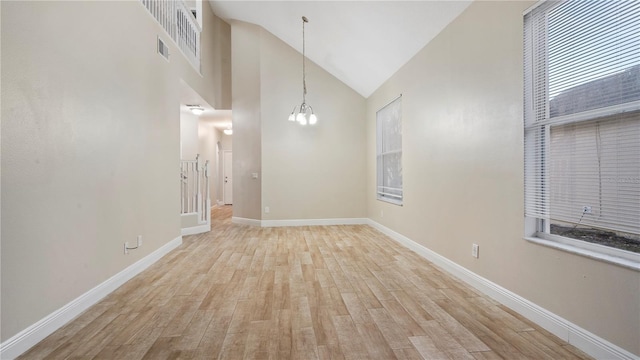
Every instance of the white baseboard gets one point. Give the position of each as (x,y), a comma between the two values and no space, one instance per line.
(584,340)
(32,335)
(196,229)
(314,222)
(245,221)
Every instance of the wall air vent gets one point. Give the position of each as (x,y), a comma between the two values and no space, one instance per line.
(163,49)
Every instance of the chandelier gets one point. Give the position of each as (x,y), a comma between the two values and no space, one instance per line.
(305,113)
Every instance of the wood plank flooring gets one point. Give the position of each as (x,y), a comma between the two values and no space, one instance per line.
(326,292)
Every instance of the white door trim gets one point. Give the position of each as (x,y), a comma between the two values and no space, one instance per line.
(227,197)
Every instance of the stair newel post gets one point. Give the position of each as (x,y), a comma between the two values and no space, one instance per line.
(196,194)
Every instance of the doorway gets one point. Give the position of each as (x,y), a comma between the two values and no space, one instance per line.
(227,190)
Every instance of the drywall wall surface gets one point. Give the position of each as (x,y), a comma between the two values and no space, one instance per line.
(463,174)
(90,148)
(207,143)
(247,158)
(189,139)
(189,220)
(313,171)
(225,140)
(216,48)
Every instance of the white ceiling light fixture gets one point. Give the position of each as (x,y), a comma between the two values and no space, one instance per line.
(228,131)
(305,114)
(196,109)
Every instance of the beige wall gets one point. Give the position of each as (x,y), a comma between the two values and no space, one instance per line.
(207,139)
(463,174)
(90,146)
(225,140)
(189,136)
(247,153)
(313,172)
(216,71)
(309,172)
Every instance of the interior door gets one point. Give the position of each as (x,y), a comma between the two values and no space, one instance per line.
(228,180)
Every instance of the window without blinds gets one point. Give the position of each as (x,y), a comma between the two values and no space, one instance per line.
(389,152)
(582,121)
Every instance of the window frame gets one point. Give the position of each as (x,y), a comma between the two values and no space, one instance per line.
(380,154)
(537,229)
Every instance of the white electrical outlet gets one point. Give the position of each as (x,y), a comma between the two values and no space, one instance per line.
(266,209)
(381,213)
(474,250)
(126,248)
(139,240)
(586,209)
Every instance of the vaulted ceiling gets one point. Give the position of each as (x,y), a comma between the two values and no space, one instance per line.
(362,43)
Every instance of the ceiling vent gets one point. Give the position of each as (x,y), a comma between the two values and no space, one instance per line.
(163,49)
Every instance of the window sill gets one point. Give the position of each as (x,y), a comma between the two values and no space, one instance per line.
(611,259)
(390,201)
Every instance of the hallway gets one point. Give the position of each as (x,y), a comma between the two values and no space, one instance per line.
(297,293)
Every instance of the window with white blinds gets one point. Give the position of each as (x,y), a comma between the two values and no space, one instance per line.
(582,116)
(389,152)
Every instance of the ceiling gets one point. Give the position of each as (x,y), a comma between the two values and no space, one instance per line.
(362,43)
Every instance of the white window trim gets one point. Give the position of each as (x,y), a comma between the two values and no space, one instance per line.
(389,199)
(381,195)
(626,259)
(607,254)
(611,255)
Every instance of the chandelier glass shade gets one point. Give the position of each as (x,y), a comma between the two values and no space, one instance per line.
(304,113)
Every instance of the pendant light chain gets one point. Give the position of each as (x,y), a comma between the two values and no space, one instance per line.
(304,115)
(304,71)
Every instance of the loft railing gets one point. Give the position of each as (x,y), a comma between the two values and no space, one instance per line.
(194,189)
(188,34)
(178,21)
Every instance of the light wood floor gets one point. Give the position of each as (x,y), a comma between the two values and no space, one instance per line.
(328,292)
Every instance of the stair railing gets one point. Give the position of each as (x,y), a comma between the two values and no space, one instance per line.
(194,189)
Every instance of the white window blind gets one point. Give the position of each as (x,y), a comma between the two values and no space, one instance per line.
(389,152)
(582,113)
(596,164)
